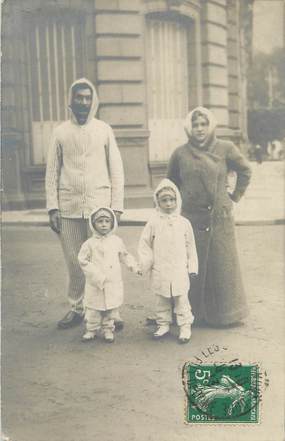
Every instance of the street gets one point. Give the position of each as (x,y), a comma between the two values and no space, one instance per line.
(57,388)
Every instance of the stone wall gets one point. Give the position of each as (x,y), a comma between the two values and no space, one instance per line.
(115,61)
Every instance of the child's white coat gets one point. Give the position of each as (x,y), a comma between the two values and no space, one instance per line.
(100,258)
(167,248)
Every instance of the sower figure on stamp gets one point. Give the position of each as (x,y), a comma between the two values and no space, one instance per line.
(84,171)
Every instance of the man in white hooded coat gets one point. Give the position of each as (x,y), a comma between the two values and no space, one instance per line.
(84,171)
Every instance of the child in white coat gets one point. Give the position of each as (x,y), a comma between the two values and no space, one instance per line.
(167,249)
(100,258)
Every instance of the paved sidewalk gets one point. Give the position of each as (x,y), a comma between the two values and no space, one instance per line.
(262,204)
(264,201)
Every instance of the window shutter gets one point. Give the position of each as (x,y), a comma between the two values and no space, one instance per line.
(167,84)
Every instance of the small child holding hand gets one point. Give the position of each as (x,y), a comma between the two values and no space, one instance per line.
(167,249)
(100,258)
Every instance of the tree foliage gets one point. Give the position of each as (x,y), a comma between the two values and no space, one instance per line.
(266,97)
(265,125)
(266,80)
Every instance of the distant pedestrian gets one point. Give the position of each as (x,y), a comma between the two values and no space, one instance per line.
(100,257)
(258,153)
(277,150)
(84,171)
(269,150)
(167,249)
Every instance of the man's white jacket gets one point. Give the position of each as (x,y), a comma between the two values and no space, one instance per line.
(84,165)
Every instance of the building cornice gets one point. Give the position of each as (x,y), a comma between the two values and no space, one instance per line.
(188,8)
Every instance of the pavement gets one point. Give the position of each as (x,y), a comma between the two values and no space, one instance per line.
(263,203)
(56,388)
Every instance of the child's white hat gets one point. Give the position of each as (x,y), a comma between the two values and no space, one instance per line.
(166,186)
(102,212)
(166,191)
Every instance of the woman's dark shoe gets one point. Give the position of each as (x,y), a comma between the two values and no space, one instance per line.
(70,320)
(119,325)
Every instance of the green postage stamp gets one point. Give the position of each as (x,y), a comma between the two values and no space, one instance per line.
(222,393)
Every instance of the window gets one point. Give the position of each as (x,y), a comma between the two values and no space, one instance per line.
(167,53)
(55,58)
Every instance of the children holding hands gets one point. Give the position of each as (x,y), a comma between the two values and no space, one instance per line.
(166,249)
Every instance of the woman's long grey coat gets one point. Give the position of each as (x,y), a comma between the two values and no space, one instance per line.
(217,295)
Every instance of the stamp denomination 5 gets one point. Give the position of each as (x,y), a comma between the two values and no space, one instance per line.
(227,393)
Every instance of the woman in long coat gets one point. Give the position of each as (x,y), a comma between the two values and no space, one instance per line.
(200,169)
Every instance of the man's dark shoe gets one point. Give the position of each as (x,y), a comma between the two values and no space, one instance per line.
(70,320)
(119,325)
(150,321)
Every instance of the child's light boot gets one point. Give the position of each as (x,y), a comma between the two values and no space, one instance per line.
(161,331)
(184,334)
(88,336)
(109,336)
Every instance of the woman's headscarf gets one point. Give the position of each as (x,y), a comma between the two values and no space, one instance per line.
(206,161)
(188,125)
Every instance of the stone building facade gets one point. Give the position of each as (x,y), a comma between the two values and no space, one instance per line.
(152,61)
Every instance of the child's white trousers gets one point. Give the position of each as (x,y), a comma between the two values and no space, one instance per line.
(182,310)
(104,320)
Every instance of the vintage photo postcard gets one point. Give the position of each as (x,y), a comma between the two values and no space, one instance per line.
(142,259)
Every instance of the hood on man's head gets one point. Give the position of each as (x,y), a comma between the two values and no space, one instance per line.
(167,185)
(85,83)
(103,212)
(188,124)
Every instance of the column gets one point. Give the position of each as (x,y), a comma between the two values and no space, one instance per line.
(119,27)
(214,60)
